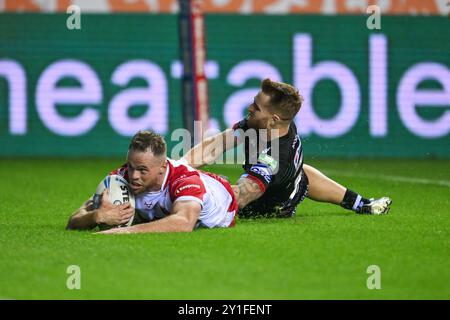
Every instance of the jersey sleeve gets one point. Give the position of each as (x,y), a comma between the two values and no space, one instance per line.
(261,174)
(188,188)
(264,170)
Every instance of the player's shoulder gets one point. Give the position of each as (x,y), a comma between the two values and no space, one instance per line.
(287,145)
(291,137)
(121,171)
(183,179)
(179,169)
(279,157)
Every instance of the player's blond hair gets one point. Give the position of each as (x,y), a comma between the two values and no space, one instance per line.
(285,100)
(144,140)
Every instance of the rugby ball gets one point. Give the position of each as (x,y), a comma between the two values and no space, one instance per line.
(118,193)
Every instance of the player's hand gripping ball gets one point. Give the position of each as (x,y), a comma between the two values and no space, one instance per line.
(118,193)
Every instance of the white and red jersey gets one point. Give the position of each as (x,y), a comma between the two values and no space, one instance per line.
(181,183)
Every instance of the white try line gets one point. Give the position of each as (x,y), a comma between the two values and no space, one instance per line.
(443,183)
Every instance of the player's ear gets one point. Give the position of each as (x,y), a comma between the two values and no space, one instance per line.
(274,119)
(163,167)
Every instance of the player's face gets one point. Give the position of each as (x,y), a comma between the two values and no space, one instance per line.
(258,113)
(145,171)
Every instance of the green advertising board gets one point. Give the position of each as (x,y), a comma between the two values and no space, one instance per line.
(84,92)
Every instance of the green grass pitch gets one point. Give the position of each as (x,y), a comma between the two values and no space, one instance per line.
(321,253)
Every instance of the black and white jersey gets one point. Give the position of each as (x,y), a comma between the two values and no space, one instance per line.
(278,171)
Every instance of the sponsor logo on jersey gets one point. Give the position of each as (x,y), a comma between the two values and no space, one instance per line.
(186,187)
(263,171)
(268,160)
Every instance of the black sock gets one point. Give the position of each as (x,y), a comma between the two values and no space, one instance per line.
(353,201)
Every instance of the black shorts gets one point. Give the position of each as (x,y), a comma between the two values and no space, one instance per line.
(288,208)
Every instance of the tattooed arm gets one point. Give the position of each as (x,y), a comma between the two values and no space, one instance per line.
(246,191)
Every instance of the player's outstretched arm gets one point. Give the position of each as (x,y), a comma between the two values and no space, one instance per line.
(246,190)
(183,219)
(87,217)
(210,149)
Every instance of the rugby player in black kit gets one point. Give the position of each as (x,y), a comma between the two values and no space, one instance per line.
(276,180)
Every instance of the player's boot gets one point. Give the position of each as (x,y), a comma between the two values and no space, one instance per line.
(377,206)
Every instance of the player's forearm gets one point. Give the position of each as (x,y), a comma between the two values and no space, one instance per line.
(211,148)
(242,199)
(203,153)
(246,191)
(192,157)
(83,220)
(172,223)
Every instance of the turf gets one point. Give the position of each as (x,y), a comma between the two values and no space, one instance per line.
(322,253)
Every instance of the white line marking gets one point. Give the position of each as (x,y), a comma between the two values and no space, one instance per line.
(443,183)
